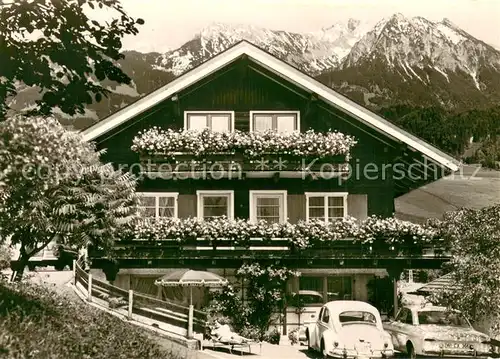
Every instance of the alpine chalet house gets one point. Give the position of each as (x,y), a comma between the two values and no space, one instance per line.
(272,144)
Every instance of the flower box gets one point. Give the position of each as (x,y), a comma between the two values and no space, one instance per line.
(373,235)
(170,143)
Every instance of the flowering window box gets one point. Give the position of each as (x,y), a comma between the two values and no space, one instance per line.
(373,236)
(251,145)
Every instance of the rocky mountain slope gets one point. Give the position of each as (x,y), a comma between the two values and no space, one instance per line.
(419,62)
(400,60)
(312,52)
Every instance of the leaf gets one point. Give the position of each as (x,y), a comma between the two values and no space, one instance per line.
(140,21)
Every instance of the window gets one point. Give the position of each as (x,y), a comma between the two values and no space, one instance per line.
(269,206)
(326,316)
(213,204)
(339,288)
(281,121)
(158,205)
(220,121)
(357,316)
(405,316)
(312,288)
(441,317)
(326,206)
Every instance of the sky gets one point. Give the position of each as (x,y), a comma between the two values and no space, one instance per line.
(171,23)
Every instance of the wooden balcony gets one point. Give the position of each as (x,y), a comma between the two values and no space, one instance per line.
(235,165)
(204,253)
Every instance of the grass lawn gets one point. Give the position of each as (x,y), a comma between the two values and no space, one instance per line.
(37,322)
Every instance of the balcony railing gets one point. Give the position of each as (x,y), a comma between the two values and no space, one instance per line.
(260,153)
(221,237)
(236,165)
(277,249)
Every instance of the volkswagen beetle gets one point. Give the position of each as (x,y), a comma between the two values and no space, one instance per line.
(349,329)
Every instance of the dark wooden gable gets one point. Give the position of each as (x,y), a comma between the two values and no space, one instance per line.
(243,86)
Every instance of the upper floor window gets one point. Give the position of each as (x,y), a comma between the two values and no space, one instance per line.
(269,206)
(219,121)
(158,204)
(280,121)
(213,204)
(328,206)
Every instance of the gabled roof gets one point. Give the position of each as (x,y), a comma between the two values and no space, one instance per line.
(285,71)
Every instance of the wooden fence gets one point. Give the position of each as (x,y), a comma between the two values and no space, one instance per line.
(141,304)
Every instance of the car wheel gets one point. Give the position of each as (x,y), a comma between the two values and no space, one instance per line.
(323,351)
(309,347)
(411,351)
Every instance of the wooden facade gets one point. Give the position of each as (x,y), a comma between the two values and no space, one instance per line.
(242,86)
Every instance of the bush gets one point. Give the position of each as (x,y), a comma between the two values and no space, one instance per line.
(273,337)
(38,323)
(251,332)
(5,257)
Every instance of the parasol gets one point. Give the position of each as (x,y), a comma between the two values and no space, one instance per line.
(191,278)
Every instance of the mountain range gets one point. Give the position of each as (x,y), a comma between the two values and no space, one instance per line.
(399,61)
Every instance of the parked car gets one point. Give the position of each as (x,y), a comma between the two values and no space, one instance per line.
(349,329)
(428,330)
(311,302)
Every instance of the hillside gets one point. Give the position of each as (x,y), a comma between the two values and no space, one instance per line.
(471,188)
(36,322)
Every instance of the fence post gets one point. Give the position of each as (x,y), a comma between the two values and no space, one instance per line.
(89,289)
(190,322)
(74,272)
(130,302)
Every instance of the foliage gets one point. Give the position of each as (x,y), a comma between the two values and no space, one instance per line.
(265,291)
(5,257)
(265,296)
(451,132)
(157,141)
(293,335)
(35,322)
(56,188)
(488,155)
(301,235)
(226,303)
(474,237)
(273,337)
(60,47)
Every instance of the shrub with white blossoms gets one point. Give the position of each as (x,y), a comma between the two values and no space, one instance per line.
(168,142)
(301,235)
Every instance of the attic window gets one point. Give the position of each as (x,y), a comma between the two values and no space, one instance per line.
(219,121)
(280,121)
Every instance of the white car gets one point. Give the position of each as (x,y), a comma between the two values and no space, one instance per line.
(349,329)
(420,330)
(312,302)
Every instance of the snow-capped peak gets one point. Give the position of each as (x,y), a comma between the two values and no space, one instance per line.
(410,44)
(311,52)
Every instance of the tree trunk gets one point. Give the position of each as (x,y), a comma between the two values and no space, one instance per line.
(22,263)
